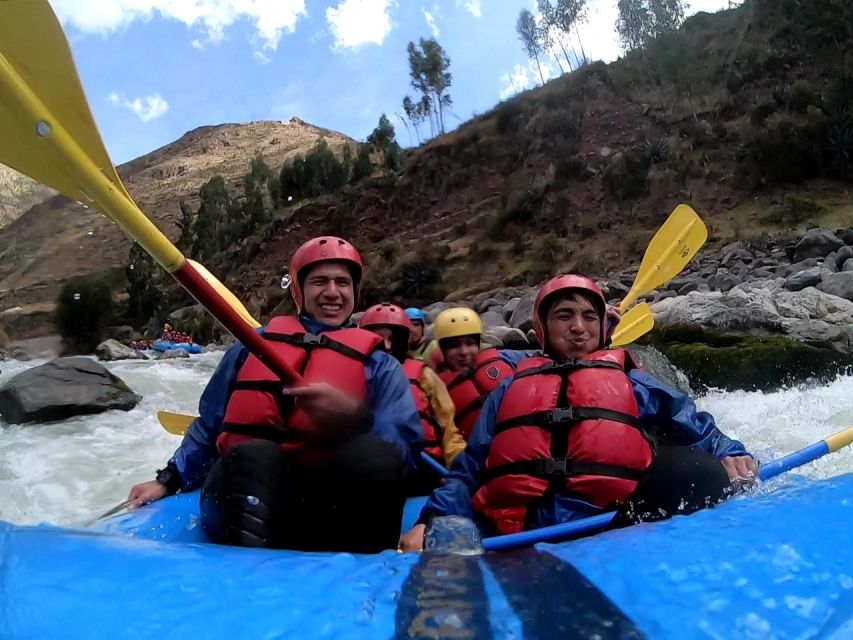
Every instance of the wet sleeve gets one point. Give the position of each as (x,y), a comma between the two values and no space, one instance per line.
(197,451)
(392,408)
(673,416)
(452,442)
(454,496)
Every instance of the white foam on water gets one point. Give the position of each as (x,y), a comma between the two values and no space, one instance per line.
(70,472)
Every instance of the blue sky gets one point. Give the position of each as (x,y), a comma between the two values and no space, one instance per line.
(155,69)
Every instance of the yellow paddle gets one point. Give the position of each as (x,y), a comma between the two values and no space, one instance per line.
(47,132)
(637,322)
(175,423)
(675,243)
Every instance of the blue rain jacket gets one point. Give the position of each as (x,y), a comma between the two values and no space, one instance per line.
(658,404)
(395,418)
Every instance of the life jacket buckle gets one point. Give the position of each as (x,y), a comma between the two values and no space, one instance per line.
(561,415)
(312,339)
(551,467)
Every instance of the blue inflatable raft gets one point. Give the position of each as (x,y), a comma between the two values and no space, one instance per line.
(168,345)
(777,565)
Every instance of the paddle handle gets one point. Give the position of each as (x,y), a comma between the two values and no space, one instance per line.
(230,318)
(600,522)
(434,464)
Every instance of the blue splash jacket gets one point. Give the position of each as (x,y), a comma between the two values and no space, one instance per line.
(658,404)
(395,418)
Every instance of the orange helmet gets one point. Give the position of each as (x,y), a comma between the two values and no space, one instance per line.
(323,249)
(569,282)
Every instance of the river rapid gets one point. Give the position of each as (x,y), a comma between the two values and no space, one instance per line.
(70,472)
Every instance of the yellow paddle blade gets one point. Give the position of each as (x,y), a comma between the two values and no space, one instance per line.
(840,440)
(633,325)
(675,243)
(175,423)
(35,60)
(226,293)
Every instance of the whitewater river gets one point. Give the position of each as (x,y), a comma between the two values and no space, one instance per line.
(70,472)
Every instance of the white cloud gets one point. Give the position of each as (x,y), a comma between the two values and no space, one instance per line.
(599,33)
(471,6)
(146,109)
(271,18)
(198,44)
(431,22)
(525,76)
(358,22)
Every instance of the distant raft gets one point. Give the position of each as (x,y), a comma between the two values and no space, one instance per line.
(162,346)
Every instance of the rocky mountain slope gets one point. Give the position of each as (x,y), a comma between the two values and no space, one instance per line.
(18,194)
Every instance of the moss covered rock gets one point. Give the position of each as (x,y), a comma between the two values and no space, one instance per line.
(711,358)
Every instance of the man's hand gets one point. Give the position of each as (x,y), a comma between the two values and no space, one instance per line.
(327,406)
(742,470)
(144,493)
(413,539)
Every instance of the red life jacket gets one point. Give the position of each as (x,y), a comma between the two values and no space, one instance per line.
(468,389)
(432,430)
(258,409)
(570,428)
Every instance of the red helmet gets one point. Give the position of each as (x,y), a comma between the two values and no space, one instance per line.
(385,314)
(390,315)
(323,249)
(568,282)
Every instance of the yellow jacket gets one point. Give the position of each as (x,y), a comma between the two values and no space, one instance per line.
(439,400)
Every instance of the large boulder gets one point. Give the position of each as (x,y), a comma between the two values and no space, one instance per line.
(809,315)
(522,316)
(806,278)
(61,389)
(816,243)
(114,350)
(838,284)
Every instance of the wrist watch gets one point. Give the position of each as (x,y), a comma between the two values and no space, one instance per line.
(169,478)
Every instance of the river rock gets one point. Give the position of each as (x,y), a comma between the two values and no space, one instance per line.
(838,284)
(658,365)
(61,389)
(492,318)
(171,354)
(723,280)
(805,278)
(113,350)
(847,266)
(785,270)
(809,315)
(510,307)
(816,243)
(845,235)
(842,256)
(4,355)
(123,333)
(522,317)
(186,312)
(507,337)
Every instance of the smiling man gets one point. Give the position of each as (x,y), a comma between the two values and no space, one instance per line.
(571,434)
(321,466)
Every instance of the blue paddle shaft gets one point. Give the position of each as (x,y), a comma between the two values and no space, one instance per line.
(600,522)
(433,464)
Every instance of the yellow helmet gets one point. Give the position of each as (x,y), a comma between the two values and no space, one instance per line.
(457,321)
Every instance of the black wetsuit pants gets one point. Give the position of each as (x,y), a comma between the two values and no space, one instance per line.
(257,496)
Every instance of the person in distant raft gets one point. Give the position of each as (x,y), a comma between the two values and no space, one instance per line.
(469,371)
(570,435)
(442,440)
(321,466)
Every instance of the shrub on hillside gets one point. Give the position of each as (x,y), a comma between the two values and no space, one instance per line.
(508,118)
(786,152)
(761,112)
(799,97)
(627,176)
(84,310)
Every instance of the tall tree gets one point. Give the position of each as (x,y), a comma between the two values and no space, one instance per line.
(428,70)
(384,139)
(528,33)
(568,14)
(548,32)
(642,20)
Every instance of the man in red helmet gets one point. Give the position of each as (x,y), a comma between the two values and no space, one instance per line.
(442,440)
(570,435)
(317,467)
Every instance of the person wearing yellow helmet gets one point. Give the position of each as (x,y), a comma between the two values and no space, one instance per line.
(442,440)
(469,371)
